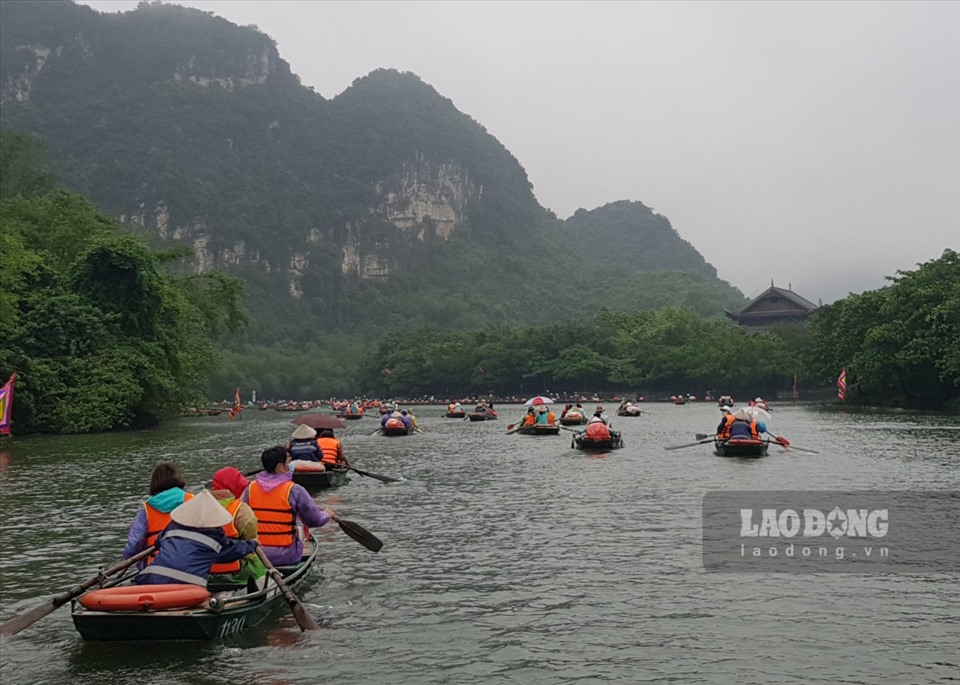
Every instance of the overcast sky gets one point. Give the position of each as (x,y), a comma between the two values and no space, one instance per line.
(813,143)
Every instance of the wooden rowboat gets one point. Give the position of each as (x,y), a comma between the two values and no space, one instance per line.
(539,429)
(228,610)
(455,414)
(582,442)
(321,480)
(351,417)
(393,431)
(483,416)
(740,447)
(572,419)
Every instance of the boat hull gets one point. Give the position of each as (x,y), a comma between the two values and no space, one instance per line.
(539,430)
(740,448)
(238,613)
(350,417)
(392,432)
(321,480)
(582,442)
(482,416)
(455,415)
(573,421)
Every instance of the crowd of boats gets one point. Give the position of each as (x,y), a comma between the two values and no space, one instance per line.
(112,606)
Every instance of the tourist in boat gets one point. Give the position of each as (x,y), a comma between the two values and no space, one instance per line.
(227,487)
(566,409)
(332,449)
(407,420)
(745,426)
(192,543)
(166,494)
(598,414)
(597,429)
(279,505)
(726,421)
(530,418)
(304,446)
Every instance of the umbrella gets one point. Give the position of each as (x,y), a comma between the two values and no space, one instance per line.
(751,414)
(320,421)
(539,399)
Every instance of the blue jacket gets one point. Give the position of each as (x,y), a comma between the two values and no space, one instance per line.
(306,449)
(186,555)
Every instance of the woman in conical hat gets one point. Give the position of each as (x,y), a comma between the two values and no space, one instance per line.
(192,542)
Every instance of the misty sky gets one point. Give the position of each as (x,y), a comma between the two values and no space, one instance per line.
(813,143)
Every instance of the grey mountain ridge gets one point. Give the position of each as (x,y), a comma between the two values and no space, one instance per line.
(383,206)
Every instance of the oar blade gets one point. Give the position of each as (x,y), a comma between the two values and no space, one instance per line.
(361,535)
(15,625)
(375,476)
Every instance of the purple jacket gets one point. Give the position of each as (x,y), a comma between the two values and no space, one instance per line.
(304,508)
(188,560)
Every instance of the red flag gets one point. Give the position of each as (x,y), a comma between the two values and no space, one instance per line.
(796,388)
(237,407)
(387,371)
(6,404)
(842,385)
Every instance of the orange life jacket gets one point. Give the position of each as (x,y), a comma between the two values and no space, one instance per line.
(598,431)
(231,532)
(551,418)
(725,432)
(529,420)
(330,449)
(276,522)
(156,522)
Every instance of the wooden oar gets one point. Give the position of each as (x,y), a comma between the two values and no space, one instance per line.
(360,534)
(304,619)
(376,476)
(15,625)
(572,430)
(377,431)
(786,444)
(699,442)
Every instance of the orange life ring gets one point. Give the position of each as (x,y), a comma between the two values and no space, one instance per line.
(145,597)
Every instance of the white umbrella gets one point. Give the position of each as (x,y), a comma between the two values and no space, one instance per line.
(538,400)
(751,414)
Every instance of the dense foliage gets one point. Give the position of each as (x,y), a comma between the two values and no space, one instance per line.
(671,350)
(194,127)
(900,344)
(99,335)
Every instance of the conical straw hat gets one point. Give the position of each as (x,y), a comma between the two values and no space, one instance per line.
(304,432)
(203,511)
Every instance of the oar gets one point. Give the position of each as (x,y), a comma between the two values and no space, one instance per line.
(15,625)
(785,444)
(304,619)
(377,431)
(572,430)
(360,534)
(376,476)
(699,442)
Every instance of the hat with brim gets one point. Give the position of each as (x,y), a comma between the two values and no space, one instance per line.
(303,432)
(203,511)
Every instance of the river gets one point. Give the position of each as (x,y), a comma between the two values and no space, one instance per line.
(507,558)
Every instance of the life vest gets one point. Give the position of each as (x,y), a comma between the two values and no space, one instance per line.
(529,420)
(742,429)
(305,449)
(276,522)
(597,431)
(328,446)
(725,431)
(551,418)
(156,522)
(231,532)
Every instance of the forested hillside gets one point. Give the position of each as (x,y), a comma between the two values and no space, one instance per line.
(382,208)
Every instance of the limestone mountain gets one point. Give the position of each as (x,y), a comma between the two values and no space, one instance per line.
(384,206)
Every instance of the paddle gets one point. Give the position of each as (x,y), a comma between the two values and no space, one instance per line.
(377,431)
(304,620)
(785,444)
(360,534)
(699,442)
(572,430)
(376,476)
(15,625)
